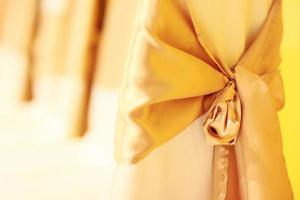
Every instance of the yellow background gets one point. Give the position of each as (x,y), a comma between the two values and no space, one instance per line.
(290,115)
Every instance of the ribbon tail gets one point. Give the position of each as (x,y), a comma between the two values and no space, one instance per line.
(259,153)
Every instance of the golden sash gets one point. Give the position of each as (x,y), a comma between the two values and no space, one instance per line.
(176,75)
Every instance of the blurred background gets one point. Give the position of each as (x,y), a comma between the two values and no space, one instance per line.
(61,65)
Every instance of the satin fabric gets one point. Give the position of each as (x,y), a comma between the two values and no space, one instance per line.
(176,71)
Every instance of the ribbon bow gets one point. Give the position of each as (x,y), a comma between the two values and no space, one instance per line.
(166,87)
(171,77)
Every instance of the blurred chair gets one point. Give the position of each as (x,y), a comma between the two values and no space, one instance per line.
(112,55)
(17,25)
(36,163)
(63,62)
(16,35)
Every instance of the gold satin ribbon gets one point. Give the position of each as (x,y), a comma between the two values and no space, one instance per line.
(166,87)
(174,70)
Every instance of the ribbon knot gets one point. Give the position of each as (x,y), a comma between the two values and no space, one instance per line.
(223,118)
